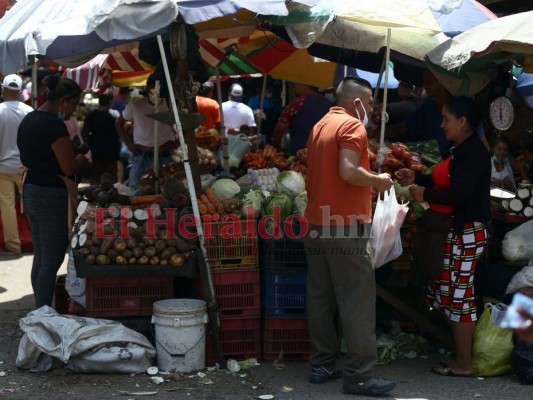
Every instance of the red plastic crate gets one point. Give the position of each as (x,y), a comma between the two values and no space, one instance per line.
(132,296)
(290,335)
(231,244)
(240,337)
(75,309)
(237,292)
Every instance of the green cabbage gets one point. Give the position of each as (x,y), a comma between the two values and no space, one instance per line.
(225,188)
(251,197)
(283,201)
(300,203)
(290,182)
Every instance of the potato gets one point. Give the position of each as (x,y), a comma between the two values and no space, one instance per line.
(121,260)
(90,259)
(154,260)
(106,246)
(177,260)
(102,260)
(97,242)
(166,253)
(150,251)
(137,252)
(143,260)
(132,261)
(120,244)
(148,242)
(84,251)
(112,254)
(141,245)
(163,262)
(95,250)
(132,243)
(127,253)
(160,245)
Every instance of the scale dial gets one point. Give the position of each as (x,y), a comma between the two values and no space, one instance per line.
(501,113)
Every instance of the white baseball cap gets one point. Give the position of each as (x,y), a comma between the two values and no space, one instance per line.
(13,82)
(236,90)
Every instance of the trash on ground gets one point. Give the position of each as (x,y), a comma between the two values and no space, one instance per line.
(265,397)
(152,371)
(3,373)
(157,380)
(396,345)
(232,365)
(250,362)
(286,389)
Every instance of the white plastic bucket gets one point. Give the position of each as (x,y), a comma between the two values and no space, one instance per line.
(180,334)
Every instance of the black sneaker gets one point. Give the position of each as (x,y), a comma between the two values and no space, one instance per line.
(371,387)
(321,374)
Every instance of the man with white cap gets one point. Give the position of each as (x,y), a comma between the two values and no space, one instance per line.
(237,114)
(11,113)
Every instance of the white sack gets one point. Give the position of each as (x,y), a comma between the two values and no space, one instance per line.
(83,344)
(518,243)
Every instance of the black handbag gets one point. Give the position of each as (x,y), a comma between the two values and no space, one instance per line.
(430,241)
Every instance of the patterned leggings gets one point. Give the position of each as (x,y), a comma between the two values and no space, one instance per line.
(453,292)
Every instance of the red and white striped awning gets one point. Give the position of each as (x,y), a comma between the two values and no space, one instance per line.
(88,75)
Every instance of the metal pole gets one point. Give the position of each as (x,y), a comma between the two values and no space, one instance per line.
(156,137)
(384,115)
(223,132)
(34,88)
(261,104)
(194,200)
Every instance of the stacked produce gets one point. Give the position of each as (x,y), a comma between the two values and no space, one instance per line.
(263,178)
(205,157)
(299,162)
(268,157)
(118,234)
(209,139)
(395,156)
(521,204)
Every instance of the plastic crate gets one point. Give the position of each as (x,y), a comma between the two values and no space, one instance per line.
(237,292)
(287,335)
(126,295)
(282,255)
(240,337)
(231,244)
(75,309)
(284,294)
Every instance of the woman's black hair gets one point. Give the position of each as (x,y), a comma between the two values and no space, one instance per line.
(61,88)
(462,106)
(501,139)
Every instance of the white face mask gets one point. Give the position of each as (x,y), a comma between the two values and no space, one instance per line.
(365,117)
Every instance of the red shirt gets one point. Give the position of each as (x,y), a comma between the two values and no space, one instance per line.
(441,179)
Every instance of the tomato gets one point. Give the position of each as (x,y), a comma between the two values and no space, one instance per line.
(417,167)
(399,150)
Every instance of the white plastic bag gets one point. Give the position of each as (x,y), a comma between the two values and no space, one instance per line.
(522,279)
(74,286)
(518,243)
(385,237)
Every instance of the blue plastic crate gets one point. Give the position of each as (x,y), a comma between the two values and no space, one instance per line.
(284,294)
(279,255)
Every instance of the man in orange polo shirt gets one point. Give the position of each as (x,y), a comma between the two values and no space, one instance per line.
(208,107)
(339,211)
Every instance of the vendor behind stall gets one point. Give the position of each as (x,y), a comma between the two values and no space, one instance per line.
(142,145)
(505,168)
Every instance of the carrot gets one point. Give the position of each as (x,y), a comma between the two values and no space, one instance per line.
(210,206)
(202,208)
(231,205)
(147,199)
(210,193)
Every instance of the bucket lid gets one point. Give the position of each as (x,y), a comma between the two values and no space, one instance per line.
(171,306)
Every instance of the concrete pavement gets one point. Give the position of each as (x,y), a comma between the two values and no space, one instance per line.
(15,284)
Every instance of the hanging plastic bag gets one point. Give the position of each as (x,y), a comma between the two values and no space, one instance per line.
(493,346)
(238,146)
(385,238)
(74,285)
